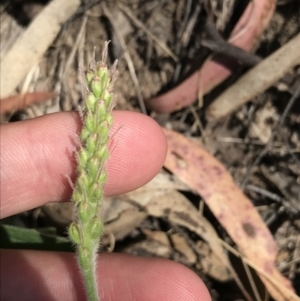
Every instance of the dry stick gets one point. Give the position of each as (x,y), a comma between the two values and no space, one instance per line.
(183,25)
(186,36)
(218,45)
(184,39)
(83,9)
(58,84)
(295,259)
(229,266)
(257,80)
(278,125)
(291,295)
(152,36)
(287,144)
(127,58)
(274,197)
(76,45)
(251,281)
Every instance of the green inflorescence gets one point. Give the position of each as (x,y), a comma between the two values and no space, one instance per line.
(92,155)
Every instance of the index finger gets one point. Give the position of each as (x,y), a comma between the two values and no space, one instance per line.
(37,156)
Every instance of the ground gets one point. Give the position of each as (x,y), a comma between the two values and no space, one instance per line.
(258,143)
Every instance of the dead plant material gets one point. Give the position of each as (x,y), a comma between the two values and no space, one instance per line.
(127,58)
(207,176)
(139,24)
(21,101)
(274,132)
(245,35)
(162,201)
(257,80)
(30,47)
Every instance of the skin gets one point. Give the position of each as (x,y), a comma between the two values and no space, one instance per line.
(36,157)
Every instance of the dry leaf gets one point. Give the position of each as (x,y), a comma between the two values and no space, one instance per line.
(149,248)
(206,175)
(211,264)
(175,207)
(20,101)
(128,221)
(120,217)
(159,236)
(181,246)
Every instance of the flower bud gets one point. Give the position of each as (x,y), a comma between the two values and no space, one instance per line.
(90,122)
(91,101)
(95,227)
(75,233)
(96,87)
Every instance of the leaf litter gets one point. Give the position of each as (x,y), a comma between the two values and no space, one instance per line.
(167,217)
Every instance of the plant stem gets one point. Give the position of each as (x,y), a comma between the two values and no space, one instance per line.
(89,276)
(91,157)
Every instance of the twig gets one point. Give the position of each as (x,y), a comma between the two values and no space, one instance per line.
(217,44)
(251,281)
(185,35)
(290,150)
(127,58)
(183,25)
(198,123)
(152,36)
(83,9)
(196,250)
(272,196)
(295,259)
(76,44)
(278,125)
(289,293)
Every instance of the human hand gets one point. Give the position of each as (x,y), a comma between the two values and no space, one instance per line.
(36,155)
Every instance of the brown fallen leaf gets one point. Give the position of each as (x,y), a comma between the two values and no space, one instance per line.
(149,248)
(20,101)
(128,221)
(163,201)
(208,177)
(178,210)
(181,245)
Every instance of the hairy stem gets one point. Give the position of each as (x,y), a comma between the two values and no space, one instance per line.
(92,155)
(87,265)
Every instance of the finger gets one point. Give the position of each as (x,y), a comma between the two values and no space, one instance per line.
(38,155)
(55,276)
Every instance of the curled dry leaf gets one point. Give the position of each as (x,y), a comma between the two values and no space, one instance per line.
(208,177)
(165,202)
(245,34)
(159,198)
(21,101)
(120,217)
